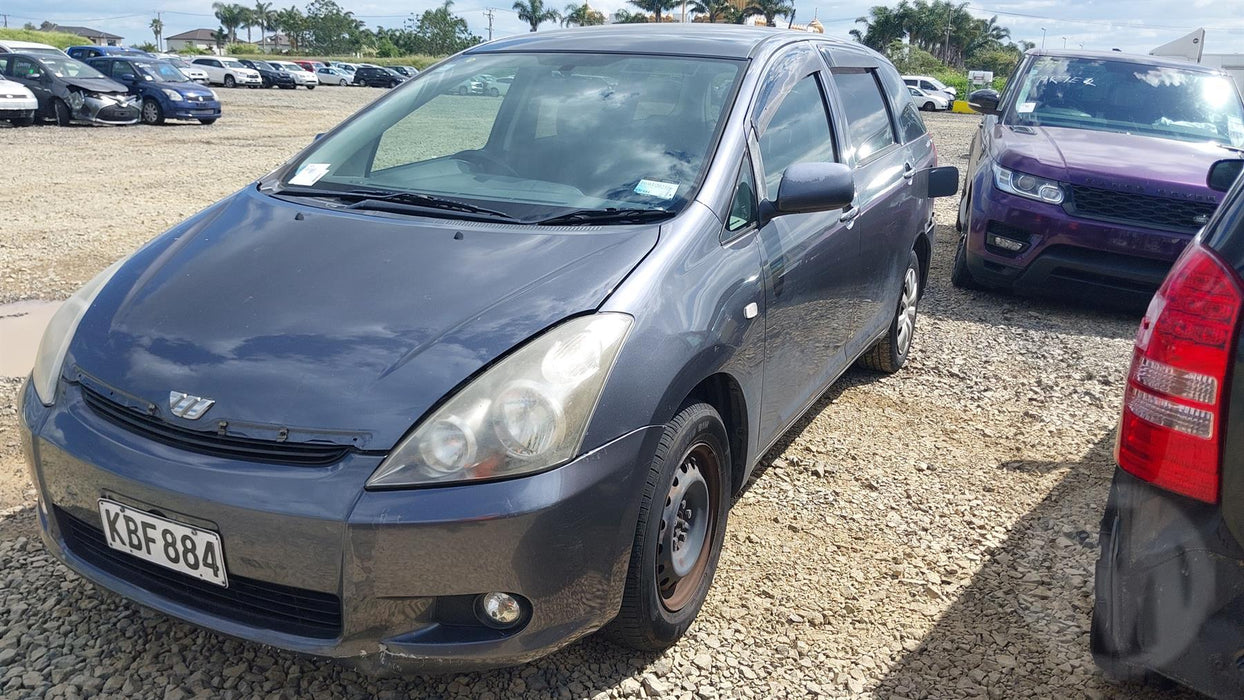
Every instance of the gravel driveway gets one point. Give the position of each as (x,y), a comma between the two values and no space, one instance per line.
(928,534)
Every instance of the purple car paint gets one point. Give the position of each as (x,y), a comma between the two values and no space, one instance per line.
(1087,176)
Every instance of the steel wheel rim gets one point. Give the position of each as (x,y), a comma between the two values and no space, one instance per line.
(907,310)
(149,113)
(688,527)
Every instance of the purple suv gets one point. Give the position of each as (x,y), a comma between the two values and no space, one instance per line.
(1087,176)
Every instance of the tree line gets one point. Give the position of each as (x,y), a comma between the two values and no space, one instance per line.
(939,30)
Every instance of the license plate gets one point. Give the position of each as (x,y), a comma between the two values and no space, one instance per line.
(190,550)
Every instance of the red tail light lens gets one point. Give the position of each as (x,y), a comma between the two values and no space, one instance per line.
(1175,404)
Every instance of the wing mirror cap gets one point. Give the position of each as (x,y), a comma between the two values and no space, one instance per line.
(812,187)
(943,181)
(984,101)
(1223,174)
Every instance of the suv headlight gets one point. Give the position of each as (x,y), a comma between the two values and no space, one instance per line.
(59,333)
(525,414)
(173,94)
(1030,186)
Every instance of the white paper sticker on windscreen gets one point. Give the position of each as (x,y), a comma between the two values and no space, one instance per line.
(656,188)
(309,174)
(1026,107)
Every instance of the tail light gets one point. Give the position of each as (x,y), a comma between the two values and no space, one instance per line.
(1175,404)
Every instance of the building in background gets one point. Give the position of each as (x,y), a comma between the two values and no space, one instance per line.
(201,39)
(94,36)
(1191,46)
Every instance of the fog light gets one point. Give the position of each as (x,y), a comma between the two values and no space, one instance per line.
(500,610)
(1005,243)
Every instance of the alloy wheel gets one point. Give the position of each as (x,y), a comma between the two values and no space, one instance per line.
(688,523)
(151,112)
(907,310)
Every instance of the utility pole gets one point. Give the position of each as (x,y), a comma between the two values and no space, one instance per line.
(6,21)
(1043,37)
(490,13)
(160,39)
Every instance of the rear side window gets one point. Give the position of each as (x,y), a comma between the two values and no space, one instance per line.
(910,125)
(868,120)
(798,133)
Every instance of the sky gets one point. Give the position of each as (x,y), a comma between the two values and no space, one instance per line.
(1129,25)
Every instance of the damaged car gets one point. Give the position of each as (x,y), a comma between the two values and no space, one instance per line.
(70,91)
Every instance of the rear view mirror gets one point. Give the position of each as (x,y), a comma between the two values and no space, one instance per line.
(984,101)
(811,187)
(1223,174)
(943,181)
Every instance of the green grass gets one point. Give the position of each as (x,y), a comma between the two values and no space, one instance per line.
(60,40)
(418,61)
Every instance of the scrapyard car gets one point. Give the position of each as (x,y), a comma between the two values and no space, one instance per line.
(70,91)
(458,385)
(17,104)
(1087,175)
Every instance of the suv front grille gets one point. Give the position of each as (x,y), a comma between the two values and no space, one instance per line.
(1162,213)
(228,447)
(285,609)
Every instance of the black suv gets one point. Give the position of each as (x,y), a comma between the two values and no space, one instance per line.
(1170,579)
(271,75)
(376,76)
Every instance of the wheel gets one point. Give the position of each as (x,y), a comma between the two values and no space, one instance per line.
(462,90)
(342,83)
(152,114)
(265,83)
(230,81)
(889,353)
(494,92)
(682,522)
(926,106)
(1102,643)
(393,84)
(61,111)
(207,122)
(310,87)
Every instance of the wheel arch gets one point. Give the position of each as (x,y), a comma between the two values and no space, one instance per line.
(924,253)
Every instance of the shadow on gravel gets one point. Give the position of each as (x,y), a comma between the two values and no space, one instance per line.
(1021,626)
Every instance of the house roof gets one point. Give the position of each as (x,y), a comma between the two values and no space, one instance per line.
(86,32)
(206,35)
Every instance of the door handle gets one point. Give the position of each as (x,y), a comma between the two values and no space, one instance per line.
(908,172)
(848,215)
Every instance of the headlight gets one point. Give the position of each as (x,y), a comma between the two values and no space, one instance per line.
(1026,185)
(60,332)
(173,94)
(525,414)
(214,95)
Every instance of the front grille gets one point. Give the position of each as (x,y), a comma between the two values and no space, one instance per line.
(1162,213)
(271,606)
(209,443)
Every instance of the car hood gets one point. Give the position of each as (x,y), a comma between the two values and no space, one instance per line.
(299,318)
(96,84)
(1146,164)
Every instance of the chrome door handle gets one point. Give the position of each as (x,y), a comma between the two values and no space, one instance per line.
(848,215)
(908,172)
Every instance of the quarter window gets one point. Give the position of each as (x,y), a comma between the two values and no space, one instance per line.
(868,120)
(743,210)
(798,133)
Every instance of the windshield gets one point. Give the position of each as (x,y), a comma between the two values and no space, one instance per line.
(1126,97)
(572,131)
(69,68)
(162,72)
(262,65)
(231,63)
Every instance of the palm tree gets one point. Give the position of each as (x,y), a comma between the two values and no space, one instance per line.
(713,10)
(576,15)
(247,19)
(157,28)
(290,21)
(265,18)
(769,9)
(656,7)
(533,12)
(230,17)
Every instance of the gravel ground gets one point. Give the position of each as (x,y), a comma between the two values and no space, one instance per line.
(927,534)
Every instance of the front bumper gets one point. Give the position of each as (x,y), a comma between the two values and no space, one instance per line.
(194,110)
(1065,255)
(1170,588)
(7,113)
(107,111)
(403,564)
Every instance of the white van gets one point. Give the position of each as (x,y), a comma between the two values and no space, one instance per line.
(930,84)
(10,46)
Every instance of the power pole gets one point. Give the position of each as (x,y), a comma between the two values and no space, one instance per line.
(160,38)
(6,21)
(490,13)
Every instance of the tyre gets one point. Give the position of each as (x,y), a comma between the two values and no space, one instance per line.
(965,202)
(230,81)
(494,92)
(152,113)
(342,83)
(1102,643)
(889,353)
(682,522)
(61,111)
(207,122)
(310,87)
(462,90)
(927,106)
(265,83)
(960,276)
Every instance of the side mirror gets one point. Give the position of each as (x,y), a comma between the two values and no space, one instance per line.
(943,181)
(129,78)
(812,187)
(984,101)
(1223,174)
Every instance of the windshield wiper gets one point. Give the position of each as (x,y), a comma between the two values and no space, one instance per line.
(610,215)
(388,200)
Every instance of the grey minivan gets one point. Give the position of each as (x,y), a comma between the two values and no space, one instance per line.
(468,379)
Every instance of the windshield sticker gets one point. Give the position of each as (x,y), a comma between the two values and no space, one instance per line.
(309,174)
(656,188)
(1026,107)
(1235,129)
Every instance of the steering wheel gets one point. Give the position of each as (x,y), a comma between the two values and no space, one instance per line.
(488,162)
